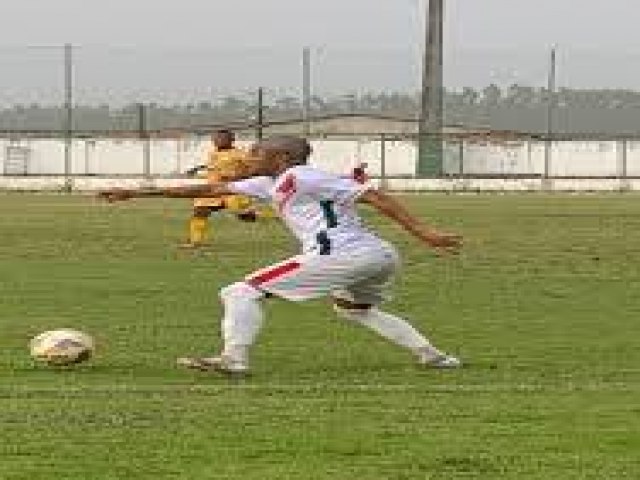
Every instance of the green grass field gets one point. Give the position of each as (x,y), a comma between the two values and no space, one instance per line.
(544,306)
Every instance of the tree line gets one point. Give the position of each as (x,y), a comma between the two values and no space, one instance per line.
(517,107)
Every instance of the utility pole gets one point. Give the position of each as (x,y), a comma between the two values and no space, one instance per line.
(551,104)
(68,117)
(306,91)
(431,111)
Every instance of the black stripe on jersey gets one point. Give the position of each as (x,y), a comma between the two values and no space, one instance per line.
(329,213)
(324,242)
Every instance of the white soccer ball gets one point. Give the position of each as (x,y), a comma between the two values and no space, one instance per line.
(62,347)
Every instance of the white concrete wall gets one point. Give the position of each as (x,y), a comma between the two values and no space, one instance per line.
(92,184)
(168,157)
(567,159)
(633,158)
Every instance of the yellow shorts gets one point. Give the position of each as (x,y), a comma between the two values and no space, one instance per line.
(231,202)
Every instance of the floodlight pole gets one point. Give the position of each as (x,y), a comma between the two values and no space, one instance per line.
(431,111)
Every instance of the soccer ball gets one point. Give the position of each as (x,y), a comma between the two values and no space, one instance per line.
(62,347)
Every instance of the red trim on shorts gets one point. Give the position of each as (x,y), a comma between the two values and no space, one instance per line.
(257,280)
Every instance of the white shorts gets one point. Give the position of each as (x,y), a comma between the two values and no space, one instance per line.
(359,275)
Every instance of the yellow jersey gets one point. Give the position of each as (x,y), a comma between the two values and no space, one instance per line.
(228,165)
(224,166)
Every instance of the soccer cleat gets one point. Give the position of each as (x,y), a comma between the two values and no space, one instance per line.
(247,216)
(266,213)
(220,364)
(440,361)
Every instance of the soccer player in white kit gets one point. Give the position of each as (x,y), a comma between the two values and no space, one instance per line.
(340,258)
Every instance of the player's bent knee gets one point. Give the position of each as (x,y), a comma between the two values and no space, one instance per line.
(201,212)
(240,290)
(353,313)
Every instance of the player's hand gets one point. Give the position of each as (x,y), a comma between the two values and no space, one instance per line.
(450,243)
(116,195)
(194,171)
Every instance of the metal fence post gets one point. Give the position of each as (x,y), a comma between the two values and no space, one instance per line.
(260,114)
(625,146)
(178,155)
(86,156)
(68,118)
(623,170)
(383,161)
(461,157)
(143,135)
(547,157)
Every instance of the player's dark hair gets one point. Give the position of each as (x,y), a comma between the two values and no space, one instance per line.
(225,131)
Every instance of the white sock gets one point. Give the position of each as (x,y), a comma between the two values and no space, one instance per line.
(242,320)
(393,328)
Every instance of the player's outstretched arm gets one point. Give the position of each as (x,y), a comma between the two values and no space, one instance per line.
(187,191)
(390,207)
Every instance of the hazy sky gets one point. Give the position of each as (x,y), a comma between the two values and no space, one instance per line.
(363,44)
(471,23)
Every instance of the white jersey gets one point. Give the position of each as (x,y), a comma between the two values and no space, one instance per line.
(318,207)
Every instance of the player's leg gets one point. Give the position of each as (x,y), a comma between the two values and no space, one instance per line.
(199,223)
(354,277)
(241,206)
(265,211)
(357,280)
(358,303)
(241,323)
(396,330)
(247,209)
(258,210)
(297,279)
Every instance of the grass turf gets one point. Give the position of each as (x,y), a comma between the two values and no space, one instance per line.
(543,306)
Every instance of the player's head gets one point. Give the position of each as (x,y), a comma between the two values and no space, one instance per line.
(280,153)
(223,139)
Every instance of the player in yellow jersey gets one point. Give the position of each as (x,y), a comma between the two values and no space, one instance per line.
(225,162)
